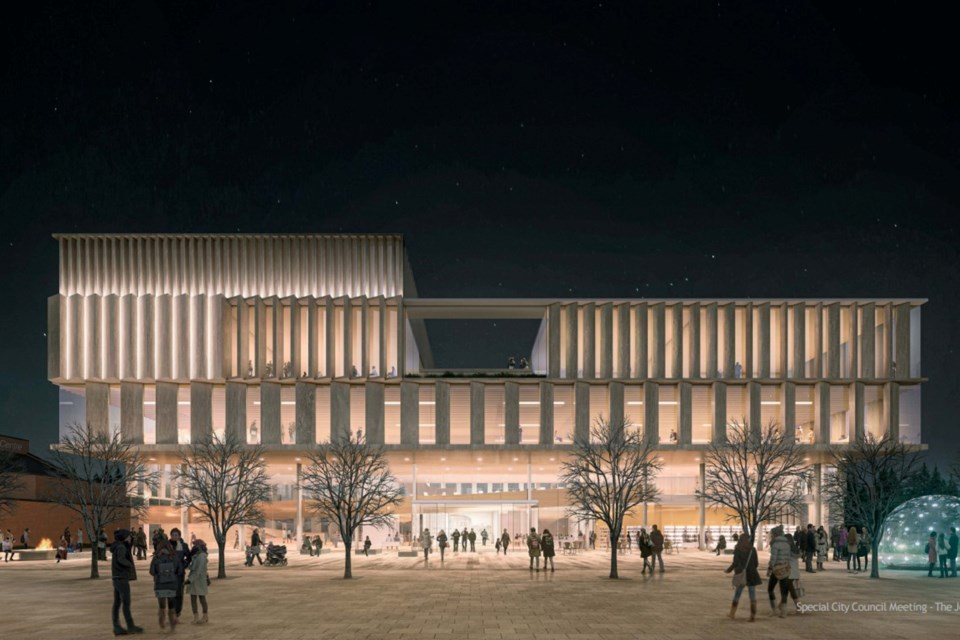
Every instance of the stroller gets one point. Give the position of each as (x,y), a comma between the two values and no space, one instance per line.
(276,556)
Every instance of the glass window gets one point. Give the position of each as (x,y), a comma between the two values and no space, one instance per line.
(114,410)
(251,312)
(323,413)
(373,340)
(791,341)
(563,342)
(740,345)
(910,414)
(722,342)
(253,414)
(846,342)
(579,341)
(459,414)
(599,403)
(219,411)
(771,397)
(874,426)
(704,342)
(73,408)
(841,414)
(338,341)
(183,414)
(391,414)
(651,343)
(805,413)
(493,404)
(755,342)
(881,336)
(530,414)
(563,413)
(668,430)
(633,411)
(392,334)
(320,340)
(776,341)
(687,341)
(428,414)
(149,414)
(915,344)
(702,417)
(268,321)
(811,326)
(356,339)
(288,414)
(670,341)
(285,359)
(737,411)
(304,332)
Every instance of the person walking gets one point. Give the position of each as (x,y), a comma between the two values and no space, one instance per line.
(102,545)
(646,550)
(472,536)
(456,540)
(952,552)
(427,542)
(809,547)
(25,538)
(745,574)
(593,539)
(236,539)
(505,541)
(549,551)
(865,547)
(255,543)
(778,567)
(366,547)
(656,537)
(182,552)
(931,551)
(841,543)
(822,548)
(167,575)
(853,549)
(79,540)
(483,536)
(198,582)
(317,545)
(123,571)
(441,542)
(533,548)
(792,582)
(7,546)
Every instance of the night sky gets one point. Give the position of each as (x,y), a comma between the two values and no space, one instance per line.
(679,149)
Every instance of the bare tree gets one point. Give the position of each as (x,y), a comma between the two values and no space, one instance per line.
(101,478)
(610,475)
(11,468)
(757,475)
(226,482)
(349,482)
(871,479)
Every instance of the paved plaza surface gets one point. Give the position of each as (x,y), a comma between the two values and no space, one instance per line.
(481,595)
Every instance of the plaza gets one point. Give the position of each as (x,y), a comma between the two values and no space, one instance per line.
(481,595)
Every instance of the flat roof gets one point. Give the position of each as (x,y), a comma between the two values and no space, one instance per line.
(227,235)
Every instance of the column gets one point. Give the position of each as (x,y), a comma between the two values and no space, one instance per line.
(818,356)
(166,413)
(409,413)
(476,413)
(511,413)
(374,413)
(98,408)
(623,340)
(748,369)
(901,360)
(789,411)
(163,338)
(296,366)
(719,412)
(260,337)
(131,412)
(570,338)
(382,366)
(553,340)
(859,428)
(236,410)
(145,357)
(686,413)
(128,337)
(244,358)
(364,337)
(657,338)
(546,413)
(201,411)
(339,411)
(442,412)
(306,397)
(868,354)
(639,337)
(606,341)
(270,413)
(348,337)
(763,338)
(694,362)
(728,313)
(753,389)
(581,416)
(276,338)
(833,341)
(818,493)
(892,409)
(589,333)
(111,329)
(703,507)
(197,334)
(330,337)
(784,343)
(676,353)
(651,412)
(313,337)
(56,316)
(711,329)
(299,496)
(821,405)
(181,336)
(799,336)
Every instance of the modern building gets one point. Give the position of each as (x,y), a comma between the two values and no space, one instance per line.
(285,340)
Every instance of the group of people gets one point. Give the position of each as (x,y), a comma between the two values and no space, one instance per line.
(783,571)
(537,545)
(942,551)
(174,567)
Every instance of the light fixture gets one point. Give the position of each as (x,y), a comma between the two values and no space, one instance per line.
(515,459)
(770,402)
(560,402)
(529,403)
(406,459)
(552,459)
(426,402)
(148,403)
(443,459)
(668,402)
(183,402)
(392,403)
(804,402)
(635,403)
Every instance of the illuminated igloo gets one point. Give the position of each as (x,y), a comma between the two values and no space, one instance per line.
(908,529)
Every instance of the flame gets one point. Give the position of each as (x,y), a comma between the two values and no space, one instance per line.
(45,543)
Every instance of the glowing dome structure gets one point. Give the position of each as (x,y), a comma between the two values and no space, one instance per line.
(909,527)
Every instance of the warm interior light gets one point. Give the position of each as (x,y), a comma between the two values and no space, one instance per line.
(637,403)
(668,402)
(804,402)
(525,403)
(770,402)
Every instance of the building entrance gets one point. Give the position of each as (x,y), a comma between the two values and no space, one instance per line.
(516,516)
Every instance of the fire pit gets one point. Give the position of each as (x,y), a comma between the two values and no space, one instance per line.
(43,551)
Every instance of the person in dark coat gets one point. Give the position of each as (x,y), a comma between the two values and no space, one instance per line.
(809,547)
(472,536)
(547,546)
(721,544)
(317,545)
(456,540)
(442,542)
(745,560)
(167,573)
(366,546)
(255,543)
(656,537)
(646,549)
(123,571)
(505,541)
(182,552)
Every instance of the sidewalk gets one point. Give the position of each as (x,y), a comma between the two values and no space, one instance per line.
(475,595)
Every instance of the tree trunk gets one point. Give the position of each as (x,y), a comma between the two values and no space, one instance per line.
(94,552)
(221,564)
(874,553)
(348,548)
(613,556)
